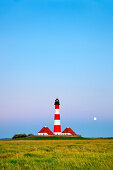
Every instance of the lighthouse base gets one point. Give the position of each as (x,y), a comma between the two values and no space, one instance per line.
(58,133)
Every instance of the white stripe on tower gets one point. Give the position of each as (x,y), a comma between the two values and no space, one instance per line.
(57,111)
(56,122)
(57,126)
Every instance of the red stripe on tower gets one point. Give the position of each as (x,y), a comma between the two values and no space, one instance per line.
(57,126)
(57,116)
(56,106)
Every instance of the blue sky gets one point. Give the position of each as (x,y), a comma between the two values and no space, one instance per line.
(56,48)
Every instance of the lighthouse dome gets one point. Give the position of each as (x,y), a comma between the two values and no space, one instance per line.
(57,102)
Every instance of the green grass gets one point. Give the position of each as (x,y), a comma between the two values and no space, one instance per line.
(56,154)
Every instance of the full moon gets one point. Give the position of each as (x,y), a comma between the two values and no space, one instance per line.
(95,118)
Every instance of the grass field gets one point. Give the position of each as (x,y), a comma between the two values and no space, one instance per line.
(56,154)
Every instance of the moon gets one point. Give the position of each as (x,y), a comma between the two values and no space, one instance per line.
(95,118)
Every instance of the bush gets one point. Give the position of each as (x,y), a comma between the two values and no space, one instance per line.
(19,136)
(30,134)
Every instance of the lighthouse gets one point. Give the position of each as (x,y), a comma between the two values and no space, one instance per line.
(57,126)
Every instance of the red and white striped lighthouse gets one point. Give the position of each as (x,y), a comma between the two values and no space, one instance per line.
(57,126)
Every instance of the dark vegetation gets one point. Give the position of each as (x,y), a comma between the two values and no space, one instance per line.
(50,138)
(19,136)
(30,134)
(33,137)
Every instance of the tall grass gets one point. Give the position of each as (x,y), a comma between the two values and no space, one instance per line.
(56,154)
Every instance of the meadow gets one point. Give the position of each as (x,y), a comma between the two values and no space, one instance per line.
(56,154)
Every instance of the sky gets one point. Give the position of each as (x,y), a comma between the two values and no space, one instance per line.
(56,49)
